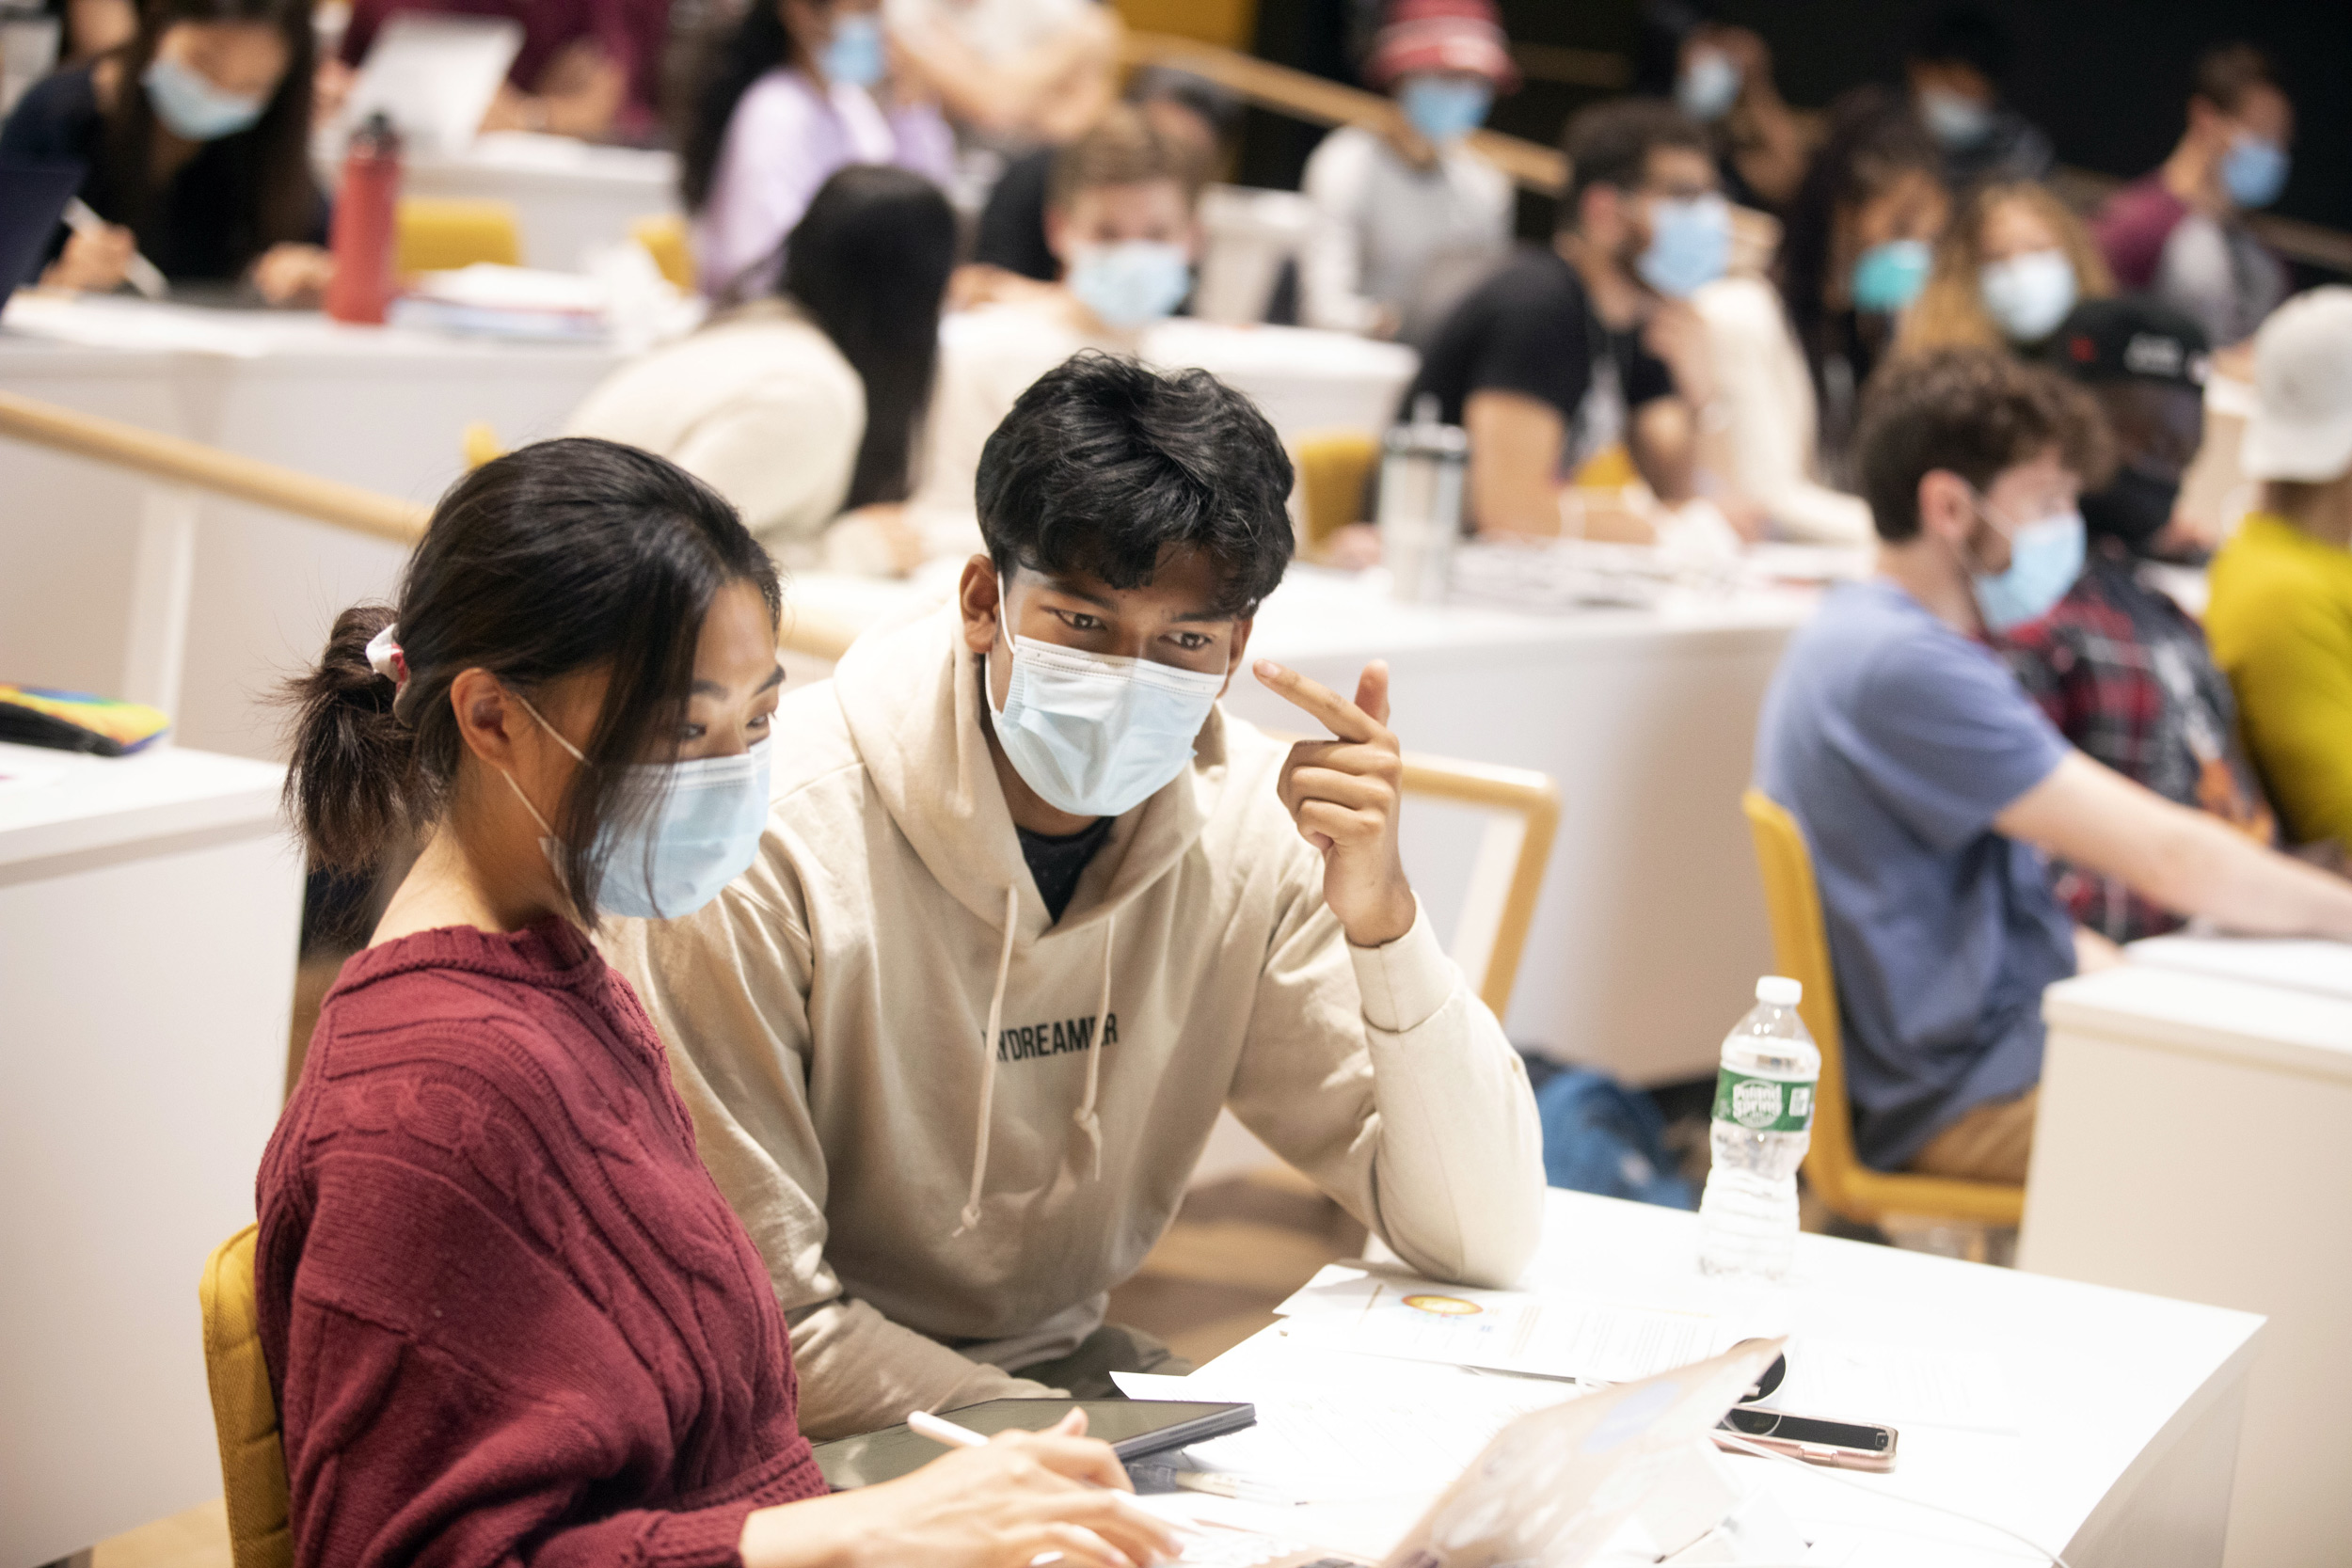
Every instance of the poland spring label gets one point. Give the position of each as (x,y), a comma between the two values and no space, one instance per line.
(1763,1104)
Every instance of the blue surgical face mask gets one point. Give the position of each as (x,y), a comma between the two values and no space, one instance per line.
(674,858)
(1957,123)
(855,56)
(2254,170)
(2045,558)
(1131,283)
(2028,295)
(1444,108)
(1889,275)
(1709,86)
(189,105)
(1097,736)
(1690,245)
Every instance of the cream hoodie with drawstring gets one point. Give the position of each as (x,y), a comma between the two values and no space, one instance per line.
(952,1126)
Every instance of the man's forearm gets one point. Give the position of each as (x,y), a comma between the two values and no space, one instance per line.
(2225,876)
(858,1371)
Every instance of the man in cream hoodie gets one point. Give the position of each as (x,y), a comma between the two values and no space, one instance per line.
(1031,909)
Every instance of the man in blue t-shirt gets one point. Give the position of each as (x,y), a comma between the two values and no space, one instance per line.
(1931,787)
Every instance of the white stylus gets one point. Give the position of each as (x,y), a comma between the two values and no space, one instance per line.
(140,273)
(940,1430)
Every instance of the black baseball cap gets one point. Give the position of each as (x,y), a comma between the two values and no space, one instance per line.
(2131,338)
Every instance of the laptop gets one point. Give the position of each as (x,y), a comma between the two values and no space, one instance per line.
(1553,1487)
(32,200)
(433,76)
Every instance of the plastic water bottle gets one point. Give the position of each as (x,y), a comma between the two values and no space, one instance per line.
(1763,1124)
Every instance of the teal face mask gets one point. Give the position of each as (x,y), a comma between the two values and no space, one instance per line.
(1888,277)
(189,105)
(1444,108)
(2045,558)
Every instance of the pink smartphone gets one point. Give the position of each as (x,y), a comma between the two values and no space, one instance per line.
(1844,1445)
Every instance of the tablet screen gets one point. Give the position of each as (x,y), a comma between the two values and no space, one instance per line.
(1132,1427)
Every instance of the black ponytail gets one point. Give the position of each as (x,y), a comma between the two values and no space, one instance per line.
(563,556)
(733,57)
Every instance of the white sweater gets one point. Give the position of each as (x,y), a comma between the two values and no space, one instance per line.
(1379,222)
(1767,403)
(759,404)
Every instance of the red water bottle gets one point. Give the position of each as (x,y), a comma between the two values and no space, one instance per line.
(365,233)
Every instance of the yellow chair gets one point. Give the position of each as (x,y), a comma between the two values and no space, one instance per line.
(439,233)
(1334,468)
(665,239)
(244,1416)
(1801,951)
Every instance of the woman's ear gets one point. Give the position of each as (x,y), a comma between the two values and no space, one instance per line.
(485,716)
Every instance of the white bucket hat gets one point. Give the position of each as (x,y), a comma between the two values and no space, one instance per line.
(2303,423)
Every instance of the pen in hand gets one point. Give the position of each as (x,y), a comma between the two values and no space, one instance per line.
(140,273)
(940,1430)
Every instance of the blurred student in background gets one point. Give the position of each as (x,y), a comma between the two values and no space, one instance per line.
(1859,247)
(807,404)
(1573,348)
(1388,200)
(1931,787)
(2006,274)
(587,68)
(196,139)
(1721,76)
(1189,111)
(2120,668)
(2181,232)
(2281,610)
(788,95)
(1010,73)
(89,29)
(1121,222)
(1955,67)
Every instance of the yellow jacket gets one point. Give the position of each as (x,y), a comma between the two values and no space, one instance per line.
(2281,622)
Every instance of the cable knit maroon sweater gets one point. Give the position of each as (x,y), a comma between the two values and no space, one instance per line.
(508,1317)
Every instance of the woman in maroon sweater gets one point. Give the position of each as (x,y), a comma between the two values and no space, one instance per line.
(508,1317)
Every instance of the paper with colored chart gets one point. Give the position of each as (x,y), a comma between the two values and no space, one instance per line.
(1374,1311)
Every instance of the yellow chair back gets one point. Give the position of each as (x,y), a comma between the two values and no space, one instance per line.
(665,239)
(479,443)
(439,233)
(1792,902)
(244,1416)
(1334,468)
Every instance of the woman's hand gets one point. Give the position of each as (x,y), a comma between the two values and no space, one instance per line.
(1025,1495)
(287,273)
(93,262)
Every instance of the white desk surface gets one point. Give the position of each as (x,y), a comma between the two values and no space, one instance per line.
(41,328)
(63,803)
(2202,1013)
(2320,967)
(2097,1375)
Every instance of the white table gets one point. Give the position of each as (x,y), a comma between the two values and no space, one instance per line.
(567,195)
(372,407)
(148,914)
(1303,380)
(1651,935)
(2126,1405)
(2191,1140)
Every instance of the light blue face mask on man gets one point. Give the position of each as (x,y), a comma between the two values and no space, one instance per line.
(1690,245)
(1444,108)
(855,56)
(2045,558)
(2254,170)
(189,105)
(1131,283)
(1957,123)
(674,858)
(1709,86)
(1889,275)
(1095,734)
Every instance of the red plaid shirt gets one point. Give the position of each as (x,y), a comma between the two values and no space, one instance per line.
(2125,674)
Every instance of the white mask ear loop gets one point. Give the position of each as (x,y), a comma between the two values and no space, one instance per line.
(541,722)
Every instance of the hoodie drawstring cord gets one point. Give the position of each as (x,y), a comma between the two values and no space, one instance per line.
(970,1217)
(1089,1123)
